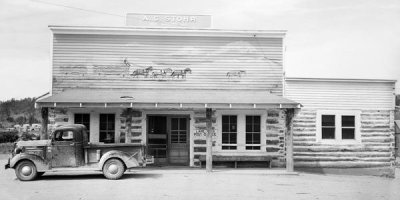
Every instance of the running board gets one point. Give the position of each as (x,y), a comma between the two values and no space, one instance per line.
(73,169)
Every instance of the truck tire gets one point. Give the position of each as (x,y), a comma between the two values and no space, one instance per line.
(113,169)
(26,171)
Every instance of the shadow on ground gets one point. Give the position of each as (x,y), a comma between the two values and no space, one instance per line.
(55,177)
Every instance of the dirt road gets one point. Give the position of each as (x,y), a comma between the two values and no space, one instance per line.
(195,184)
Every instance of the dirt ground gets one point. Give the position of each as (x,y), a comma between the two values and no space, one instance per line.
(196,184)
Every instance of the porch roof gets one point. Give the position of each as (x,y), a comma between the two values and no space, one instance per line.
(171,98)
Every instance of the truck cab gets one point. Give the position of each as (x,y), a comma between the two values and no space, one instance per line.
(68,149)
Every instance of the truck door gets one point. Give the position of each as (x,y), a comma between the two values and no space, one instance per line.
(63,148)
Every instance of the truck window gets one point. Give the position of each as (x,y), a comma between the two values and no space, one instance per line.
(64,136)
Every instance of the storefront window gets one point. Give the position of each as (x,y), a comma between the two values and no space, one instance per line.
(84,119)
(107,128)
(229,132)
(253,133)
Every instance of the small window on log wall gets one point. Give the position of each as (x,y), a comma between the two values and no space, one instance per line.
(339,126)
(328,126)
(229,132)
(253,132)
(348,127)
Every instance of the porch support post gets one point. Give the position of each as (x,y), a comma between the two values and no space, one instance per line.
(289,139)
(209,140)
(45,120)
(128,134)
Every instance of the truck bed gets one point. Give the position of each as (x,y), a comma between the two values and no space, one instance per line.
(91,150)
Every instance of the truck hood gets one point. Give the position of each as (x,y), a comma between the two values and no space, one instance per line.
(32,143)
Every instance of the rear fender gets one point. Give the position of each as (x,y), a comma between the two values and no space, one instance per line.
(129,160)
(39,162)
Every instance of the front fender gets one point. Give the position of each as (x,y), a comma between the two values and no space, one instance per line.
(129,160)
(39,162)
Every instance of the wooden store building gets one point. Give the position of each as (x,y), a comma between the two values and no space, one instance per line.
(155,85)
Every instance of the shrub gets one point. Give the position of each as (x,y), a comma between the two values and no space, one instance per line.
(8,136)
(29,136)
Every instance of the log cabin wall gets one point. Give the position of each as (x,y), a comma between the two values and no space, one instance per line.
(109,61)
(371,100)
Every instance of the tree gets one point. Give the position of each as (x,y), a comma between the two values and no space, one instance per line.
(20,120)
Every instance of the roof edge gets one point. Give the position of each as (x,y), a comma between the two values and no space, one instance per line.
(340,80)
(127,30)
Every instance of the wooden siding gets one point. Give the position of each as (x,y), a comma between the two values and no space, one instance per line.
(376,148)
(341,94)
(97,61)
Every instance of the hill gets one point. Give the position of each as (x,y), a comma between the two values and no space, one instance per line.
(18,112)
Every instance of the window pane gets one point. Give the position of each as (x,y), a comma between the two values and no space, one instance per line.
(225,119)
(78,118)
(229,147)
(182,124)
(232,128)
(348,133)
(175,124)
(328,120)
(256,128)
(182,137)
(253,148)
(225,138)
(103,126)
(249,139)
(232,138)
(328,133)
(249,127)
(107,126)
(84,119)
(256,139)
(233,119)
(256,119)
(348,121)
(249,119)
(225,127)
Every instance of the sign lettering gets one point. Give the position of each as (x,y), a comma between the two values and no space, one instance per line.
(166,20)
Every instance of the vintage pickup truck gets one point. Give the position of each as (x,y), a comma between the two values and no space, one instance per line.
(69,150)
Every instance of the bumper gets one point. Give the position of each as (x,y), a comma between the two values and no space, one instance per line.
(7,165)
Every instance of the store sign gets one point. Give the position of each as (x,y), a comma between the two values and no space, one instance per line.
(166,20)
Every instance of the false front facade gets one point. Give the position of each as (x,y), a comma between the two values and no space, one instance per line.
(153,86)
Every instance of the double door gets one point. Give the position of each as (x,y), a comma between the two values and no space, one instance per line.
(168,139)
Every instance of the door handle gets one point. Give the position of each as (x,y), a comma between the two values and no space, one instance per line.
(72,144)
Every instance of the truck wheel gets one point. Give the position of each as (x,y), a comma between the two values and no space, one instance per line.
(26,171)
(113,169)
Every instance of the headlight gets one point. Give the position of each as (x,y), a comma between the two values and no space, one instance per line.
(18,150)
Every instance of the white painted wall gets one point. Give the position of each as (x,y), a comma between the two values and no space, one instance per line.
(341,94)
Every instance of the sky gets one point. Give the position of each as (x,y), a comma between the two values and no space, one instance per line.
(325,38)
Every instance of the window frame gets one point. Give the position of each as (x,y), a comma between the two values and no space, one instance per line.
(338,126)
(253,146)
(230,145)
(241,130)
(108,130)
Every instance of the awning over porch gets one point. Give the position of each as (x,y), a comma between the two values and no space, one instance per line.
(179,98)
